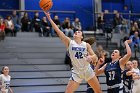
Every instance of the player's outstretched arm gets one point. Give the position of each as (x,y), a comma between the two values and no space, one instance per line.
(91,55)
(127,56)
(62,36)
(11,91)
(135,76)
(99,70)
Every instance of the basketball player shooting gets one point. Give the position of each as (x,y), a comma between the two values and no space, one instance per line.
(81,65)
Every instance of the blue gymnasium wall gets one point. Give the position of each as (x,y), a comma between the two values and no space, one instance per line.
(118,5)
(112,5)
(83,8)
(135,5)
(8,4)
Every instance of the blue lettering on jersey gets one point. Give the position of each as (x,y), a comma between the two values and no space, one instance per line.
(78,49)
(7,83)
(79,52)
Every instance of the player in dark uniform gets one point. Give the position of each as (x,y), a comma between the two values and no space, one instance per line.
(128,77)
(113,70)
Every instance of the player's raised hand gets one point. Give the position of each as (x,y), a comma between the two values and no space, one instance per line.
(100,61)
(47,14)
(128,41)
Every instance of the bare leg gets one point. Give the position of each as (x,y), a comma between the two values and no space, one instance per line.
(72,86)
(94,83)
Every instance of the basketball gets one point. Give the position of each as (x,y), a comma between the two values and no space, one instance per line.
(45,4)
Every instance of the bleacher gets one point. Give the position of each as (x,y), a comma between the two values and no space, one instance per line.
(37,63)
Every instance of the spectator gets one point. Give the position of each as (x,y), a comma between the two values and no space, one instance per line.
(45,27)
(67,27)
(77,24)
(2,29)
(58,23)
(16,21)
(101,22)
(126,10)
(127,16)
(135,41)
(9,26)
(37,22)
(26,22)
(120,24)
(134,28)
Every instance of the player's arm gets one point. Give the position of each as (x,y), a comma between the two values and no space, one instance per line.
(11,91)
(91,55)
(129,73)
(135,76)
(1,86)
(127,56)
(63,37)
(99,70)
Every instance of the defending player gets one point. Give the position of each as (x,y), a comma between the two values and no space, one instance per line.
(113,70)
(136,85)
(128,77)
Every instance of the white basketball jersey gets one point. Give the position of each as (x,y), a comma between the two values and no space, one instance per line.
(136,70)
(5,81)
(78,53)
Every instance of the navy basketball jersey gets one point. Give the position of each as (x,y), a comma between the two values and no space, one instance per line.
(113,73)
(128,82)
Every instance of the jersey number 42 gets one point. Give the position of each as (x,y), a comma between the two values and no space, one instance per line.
(79,55)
